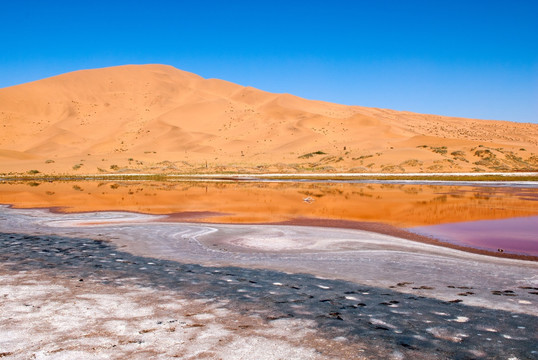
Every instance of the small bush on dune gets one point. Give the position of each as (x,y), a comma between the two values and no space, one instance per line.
(309,155)
(439,150)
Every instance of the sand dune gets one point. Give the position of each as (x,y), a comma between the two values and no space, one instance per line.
(156,118)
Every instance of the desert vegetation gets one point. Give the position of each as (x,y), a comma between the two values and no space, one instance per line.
(144,127)
(309,155)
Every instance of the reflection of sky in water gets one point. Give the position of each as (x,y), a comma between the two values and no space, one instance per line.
(515,235)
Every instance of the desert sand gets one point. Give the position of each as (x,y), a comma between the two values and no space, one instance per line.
(158,119)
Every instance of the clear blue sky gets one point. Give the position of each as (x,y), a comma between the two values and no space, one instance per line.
(462,58)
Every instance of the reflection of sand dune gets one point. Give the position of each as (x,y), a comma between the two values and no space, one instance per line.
(137,117)
(402,205)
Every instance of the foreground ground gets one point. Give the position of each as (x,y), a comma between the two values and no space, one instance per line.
(98,286)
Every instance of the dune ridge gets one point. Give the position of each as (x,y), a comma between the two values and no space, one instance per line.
(159,119)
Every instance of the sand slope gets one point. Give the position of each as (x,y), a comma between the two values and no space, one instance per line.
(156,118)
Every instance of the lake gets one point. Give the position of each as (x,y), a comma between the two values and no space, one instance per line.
(496,218)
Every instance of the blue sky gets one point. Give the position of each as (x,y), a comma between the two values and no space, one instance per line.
(462,58)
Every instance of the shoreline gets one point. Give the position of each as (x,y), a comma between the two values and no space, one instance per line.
(528,178)
(402,233)
(197,217)
(374,227)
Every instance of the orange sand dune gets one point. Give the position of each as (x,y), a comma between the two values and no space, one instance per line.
(156,118)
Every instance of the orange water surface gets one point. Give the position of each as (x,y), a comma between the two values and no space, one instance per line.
(403,205)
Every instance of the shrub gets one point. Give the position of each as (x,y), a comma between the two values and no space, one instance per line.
(439,150)
(363,157)
(309,155)
(411,162)
(485,154)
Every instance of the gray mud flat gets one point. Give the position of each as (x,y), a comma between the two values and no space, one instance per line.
(68,291)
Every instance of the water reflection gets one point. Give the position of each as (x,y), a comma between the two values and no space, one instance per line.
(405,205)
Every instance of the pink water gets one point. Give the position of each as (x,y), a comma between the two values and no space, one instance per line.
(515,235)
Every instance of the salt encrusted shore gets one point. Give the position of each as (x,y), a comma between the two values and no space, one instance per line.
(117,285)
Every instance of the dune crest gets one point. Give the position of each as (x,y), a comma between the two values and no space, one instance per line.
(156,118)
